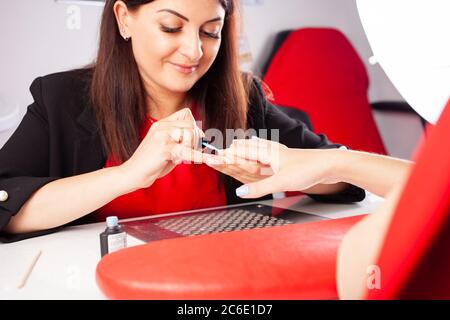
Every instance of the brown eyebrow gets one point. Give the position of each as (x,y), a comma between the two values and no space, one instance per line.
(179,15)
(214,20)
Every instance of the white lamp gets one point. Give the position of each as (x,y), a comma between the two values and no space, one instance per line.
(410,39)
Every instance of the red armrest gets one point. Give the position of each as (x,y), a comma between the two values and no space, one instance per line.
(287,262)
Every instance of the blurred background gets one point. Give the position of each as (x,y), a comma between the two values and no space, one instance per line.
(47,36)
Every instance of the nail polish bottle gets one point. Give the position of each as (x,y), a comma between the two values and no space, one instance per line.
(113,238)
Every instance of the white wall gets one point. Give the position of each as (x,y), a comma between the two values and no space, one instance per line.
(36,40)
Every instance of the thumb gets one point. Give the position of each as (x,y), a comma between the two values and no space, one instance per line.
(183,114)
(182,153)
(259,188)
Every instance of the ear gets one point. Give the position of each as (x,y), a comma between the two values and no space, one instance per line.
(122,18)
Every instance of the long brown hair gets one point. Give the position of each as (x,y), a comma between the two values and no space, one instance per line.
(117,91)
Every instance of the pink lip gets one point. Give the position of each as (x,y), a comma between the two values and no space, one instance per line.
(185,68)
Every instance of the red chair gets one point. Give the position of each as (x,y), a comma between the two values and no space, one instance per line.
(317,70)
(414,260)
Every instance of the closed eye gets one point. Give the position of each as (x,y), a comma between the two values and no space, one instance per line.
(170,30)
(212,35)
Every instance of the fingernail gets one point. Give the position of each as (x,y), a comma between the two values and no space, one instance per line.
(242,191)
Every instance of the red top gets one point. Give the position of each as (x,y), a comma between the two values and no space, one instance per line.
(186,187)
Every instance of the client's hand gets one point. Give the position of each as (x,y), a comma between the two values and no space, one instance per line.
(266,167)
(234,162)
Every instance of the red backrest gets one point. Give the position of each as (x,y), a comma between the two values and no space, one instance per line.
(415,261)
(318,71)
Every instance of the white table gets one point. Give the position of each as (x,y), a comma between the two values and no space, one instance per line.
(66,267)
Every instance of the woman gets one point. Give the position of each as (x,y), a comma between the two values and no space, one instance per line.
(109,139)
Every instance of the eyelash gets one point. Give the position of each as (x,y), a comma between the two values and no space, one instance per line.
(175,30)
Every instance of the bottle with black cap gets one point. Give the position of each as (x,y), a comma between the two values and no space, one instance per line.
(113,238)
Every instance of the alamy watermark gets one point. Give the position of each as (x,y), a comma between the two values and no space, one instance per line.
(73,21)
(373,281)
(265,147)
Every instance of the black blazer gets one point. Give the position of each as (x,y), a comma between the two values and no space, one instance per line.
(59,137)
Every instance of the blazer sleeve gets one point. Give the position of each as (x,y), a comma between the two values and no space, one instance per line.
(295,134)
(24,160)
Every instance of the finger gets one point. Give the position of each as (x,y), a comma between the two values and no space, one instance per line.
(234,171)
(188,116)
(249,171)
(181,153)
(246,167)
(254,141)
(215,165)
(187,124)
(182,136)
(227,169)
(198,134)
(238,156)
(181,123)
(215,162)
(236,174)
(249,152)
(175,134)
(188,138)
(260,188)
(242,153)
(187,154)
(259,143)
(175,123)
(183,114)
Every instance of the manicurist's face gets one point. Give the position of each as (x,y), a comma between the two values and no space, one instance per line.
(175,42)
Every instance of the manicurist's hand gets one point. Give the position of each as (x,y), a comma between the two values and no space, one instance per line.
(168,142)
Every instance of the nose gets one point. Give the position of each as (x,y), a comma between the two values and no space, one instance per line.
(191,47)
